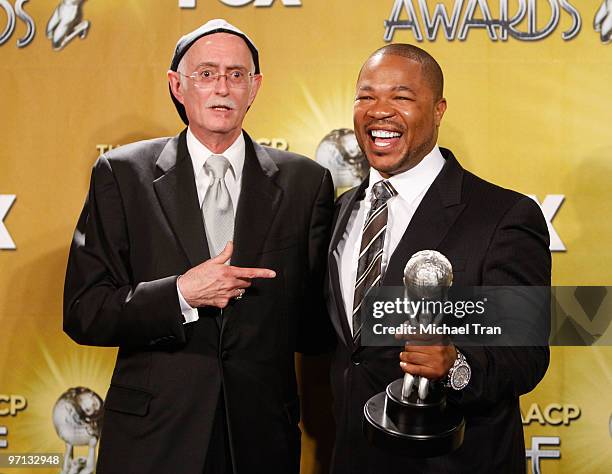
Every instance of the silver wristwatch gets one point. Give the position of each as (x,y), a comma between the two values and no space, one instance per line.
(459,374)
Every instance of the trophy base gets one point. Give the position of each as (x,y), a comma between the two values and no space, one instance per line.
(415,433)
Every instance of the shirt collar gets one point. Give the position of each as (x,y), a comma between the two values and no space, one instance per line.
(199,154)
(411,183)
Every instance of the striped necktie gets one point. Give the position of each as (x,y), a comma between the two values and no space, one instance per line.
(371,250)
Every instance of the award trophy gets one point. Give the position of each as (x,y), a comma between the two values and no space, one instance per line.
(412,417)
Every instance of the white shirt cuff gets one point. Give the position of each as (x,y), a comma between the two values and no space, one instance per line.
(190,314)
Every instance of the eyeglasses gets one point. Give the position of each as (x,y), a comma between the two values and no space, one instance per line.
(207,78)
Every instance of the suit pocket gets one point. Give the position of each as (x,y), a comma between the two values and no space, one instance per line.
(133,401)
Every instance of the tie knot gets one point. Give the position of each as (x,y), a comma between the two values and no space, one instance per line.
(382,192)
(217,165)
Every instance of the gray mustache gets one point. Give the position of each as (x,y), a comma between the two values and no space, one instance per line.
(220,103)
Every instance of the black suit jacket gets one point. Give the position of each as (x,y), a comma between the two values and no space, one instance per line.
(492,236)
(141,227)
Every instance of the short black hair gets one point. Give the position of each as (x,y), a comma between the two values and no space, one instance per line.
(430,67)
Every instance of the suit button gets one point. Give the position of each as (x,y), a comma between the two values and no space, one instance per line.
(225,355)
(356,358)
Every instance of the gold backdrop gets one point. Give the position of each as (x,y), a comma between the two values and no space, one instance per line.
(530,114)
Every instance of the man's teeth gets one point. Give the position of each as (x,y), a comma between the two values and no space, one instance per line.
(385,134)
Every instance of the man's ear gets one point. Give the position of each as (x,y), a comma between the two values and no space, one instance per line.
(439,110)
(174,79)
(255,88)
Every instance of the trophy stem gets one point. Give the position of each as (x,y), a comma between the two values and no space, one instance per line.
(407,386)
(411,381)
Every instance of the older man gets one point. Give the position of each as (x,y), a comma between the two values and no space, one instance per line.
(418,197)
(202,258)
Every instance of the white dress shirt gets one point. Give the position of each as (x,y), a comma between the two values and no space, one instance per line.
(233,180)
(411,186)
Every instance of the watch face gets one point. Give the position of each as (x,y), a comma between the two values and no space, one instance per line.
(461,376)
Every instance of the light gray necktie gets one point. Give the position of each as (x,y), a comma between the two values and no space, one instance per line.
(217,207)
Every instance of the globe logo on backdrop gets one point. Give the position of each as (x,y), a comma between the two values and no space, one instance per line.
(77,417)
(339,152)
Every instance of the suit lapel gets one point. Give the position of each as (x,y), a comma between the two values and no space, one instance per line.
(437,212)
(348,203)
(258,204)
(178,197)
(339,317)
